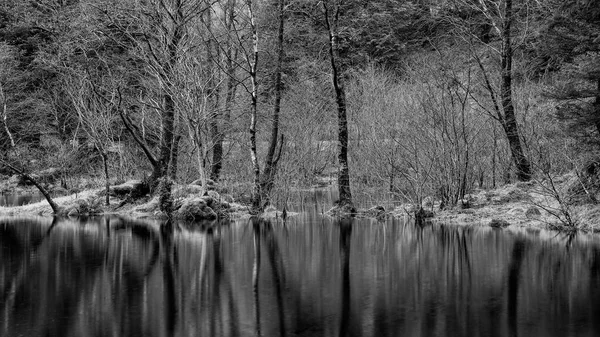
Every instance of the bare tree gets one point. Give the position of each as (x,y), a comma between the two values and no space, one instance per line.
(263,180)
(162,38)
(96,110)
(6,63)
(497,17)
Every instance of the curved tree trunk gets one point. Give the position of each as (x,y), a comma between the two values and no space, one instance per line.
(55,208)
(509,122)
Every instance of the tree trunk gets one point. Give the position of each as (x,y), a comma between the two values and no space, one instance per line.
(213,97)
(104,156)
(268,176)
(168,113)
(174,158)
(596,107)
(256,204)
(55,208)
(340,94)
(509,122)
(4,115)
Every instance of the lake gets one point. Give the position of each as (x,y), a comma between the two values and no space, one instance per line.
(308,276)
(17,199)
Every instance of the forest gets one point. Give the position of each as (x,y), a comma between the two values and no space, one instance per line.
(387,99)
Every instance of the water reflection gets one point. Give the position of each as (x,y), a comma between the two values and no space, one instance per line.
(20,199)
(16,199)
(304,277)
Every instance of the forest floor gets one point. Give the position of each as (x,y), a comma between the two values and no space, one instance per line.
(531,204)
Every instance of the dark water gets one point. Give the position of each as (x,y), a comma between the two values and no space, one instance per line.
(308,277)
(17,199)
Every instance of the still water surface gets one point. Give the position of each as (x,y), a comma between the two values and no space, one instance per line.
(17,199)
(310,276)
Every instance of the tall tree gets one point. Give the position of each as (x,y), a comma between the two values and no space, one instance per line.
(477,21)
(331,10)
(263,180)
(508,119)
(273,155)
(161,36)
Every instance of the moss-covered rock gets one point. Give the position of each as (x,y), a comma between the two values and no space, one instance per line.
(533,213)
(134,187)
(499,223)
(195,209)
(88,206)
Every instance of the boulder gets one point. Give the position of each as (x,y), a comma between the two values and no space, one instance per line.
(499,223)
(376,212)
(422,213)
(89,206)
(131,186)
(195,209)
(533,212)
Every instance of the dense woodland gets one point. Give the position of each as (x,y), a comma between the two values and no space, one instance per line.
(404,98)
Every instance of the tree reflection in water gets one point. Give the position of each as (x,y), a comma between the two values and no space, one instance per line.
(304,277)
(345,225)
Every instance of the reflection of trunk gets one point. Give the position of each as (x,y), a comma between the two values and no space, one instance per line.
(345,237)
(221,282)
(509,122)
(169,269)
(340,94)
(256,276)
(275,262)
(514,271)
(594,287)
(10,285)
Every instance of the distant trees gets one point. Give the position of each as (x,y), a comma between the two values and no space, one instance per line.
(218,83)
(570,42)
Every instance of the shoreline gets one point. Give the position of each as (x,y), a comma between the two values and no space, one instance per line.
(518,205)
